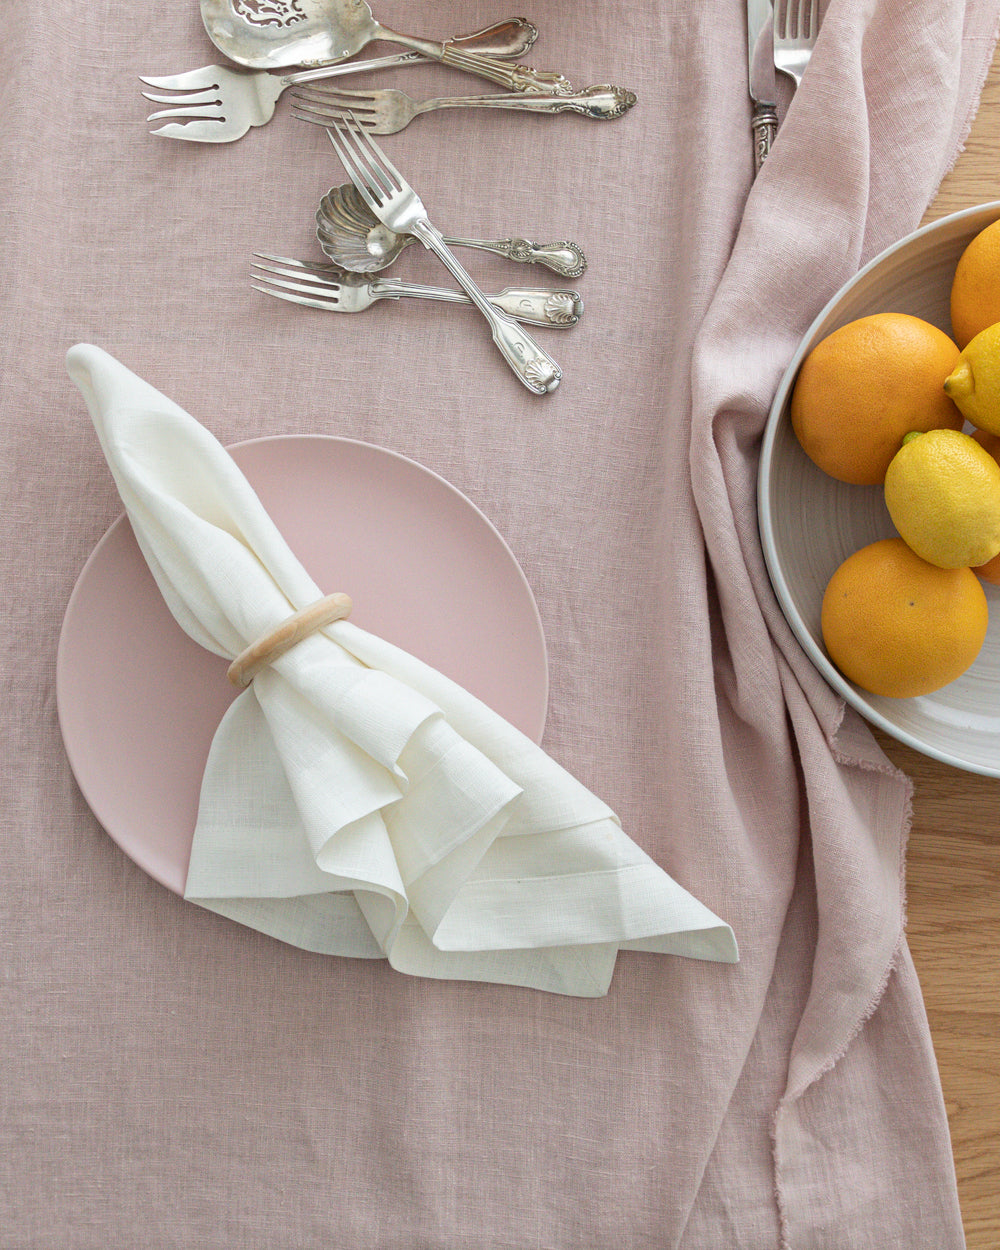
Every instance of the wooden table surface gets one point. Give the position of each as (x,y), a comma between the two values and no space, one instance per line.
(953,872)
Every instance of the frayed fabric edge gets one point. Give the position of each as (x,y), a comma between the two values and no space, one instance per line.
(789,1100)
(976,104)
(886,768)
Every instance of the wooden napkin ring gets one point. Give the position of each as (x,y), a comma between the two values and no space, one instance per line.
(288,634)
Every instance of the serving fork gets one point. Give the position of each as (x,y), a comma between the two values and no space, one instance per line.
(219,104)
(386,111)
(395,203)
(796,27)
(321,285)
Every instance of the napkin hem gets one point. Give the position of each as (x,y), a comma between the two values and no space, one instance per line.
(514,903)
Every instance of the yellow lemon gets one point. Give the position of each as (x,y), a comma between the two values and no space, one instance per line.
(975,289)
(898,626)
(942,490)
(867,384)
(974,384)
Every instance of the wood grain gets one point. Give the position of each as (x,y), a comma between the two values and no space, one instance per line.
(953,863)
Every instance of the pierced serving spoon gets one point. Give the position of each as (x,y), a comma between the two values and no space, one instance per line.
(271,34)
(353,237)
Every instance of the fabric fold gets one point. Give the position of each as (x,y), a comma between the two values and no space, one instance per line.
(858,158)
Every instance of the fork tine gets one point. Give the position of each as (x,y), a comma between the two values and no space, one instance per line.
(382,161)
(208,95)
(316,290)
(326,305)
(293,276)
(183,130)
(338,137)
(317,115)
(364,101)
(205,130)
(288,260)
(207,76)
(208,111)
(320,271)
(371,160)
(312,107)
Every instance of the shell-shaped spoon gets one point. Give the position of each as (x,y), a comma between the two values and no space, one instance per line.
(353,237)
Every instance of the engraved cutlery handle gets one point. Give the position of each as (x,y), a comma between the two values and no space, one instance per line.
(565,258)
(509,38)
(534,367)
(764,126)
(560,309)
(505,39)
(602,102)
(513,77)
(556,309)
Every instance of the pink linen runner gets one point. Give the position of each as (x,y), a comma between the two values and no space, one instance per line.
(171,1079)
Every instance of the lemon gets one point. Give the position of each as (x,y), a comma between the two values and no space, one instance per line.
(974,384)
(942,490)
(898,626)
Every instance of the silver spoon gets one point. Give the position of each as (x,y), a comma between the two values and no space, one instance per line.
(270,34)
(353,237)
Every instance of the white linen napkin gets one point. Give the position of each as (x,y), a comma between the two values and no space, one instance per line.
(355,801)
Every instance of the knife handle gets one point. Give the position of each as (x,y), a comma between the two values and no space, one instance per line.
(764,126)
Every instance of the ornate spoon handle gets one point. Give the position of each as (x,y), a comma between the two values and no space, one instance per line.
(555,309)
(602,102)
(513,77)
(510,38)
(564,258)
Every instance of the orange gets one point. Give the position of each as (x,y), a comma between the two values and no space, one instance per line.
(990,571)
(975,289)
(865,386)
(898,626)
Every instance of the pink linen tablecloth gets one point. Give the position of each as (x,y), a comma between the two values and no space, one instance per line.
(171,1079)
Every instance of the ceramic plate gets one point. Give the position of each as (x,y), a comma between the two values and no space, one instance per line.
(139,702)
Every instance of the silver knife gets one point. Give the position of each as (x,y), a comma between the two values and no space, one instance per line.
(760,42)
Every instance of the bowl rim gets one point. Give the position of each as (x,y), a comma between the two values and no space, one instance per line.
(849,692)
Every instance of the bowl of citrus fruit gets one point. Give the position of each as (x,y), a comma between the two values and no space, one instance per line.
(879,491)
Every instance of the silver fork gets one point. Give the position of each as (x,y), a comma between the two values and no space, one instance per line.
(796,26)
(219,104)
(386,112)
(321,285)
(397,205)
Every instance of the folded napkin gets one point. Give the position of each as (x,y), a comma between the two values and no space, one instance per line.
(355,801)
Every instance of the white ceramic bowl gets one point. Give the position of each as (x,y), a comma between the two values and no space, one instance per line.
(810,523)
